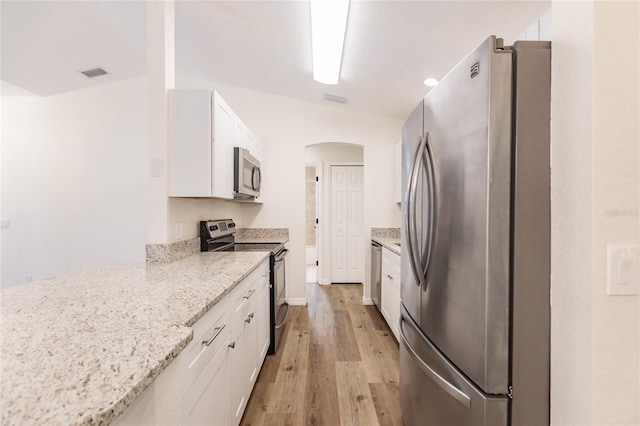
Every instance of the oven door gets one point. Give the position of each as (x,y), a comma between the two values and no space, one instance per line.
(247,175)
(279,306)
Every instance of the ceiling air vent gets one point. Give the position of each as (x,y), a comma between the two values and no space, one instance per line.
(335,98)
(95,72)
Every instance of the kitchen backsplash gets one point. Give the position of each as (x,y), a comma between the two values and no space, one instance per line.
(385,232)
(167,253)
(278,234)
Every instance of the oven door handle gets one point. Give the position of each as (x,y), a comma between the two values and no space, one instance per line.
(281,255)
(279,326)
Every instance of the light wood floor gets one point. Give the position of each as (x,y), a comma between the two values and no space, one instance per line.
(338,365)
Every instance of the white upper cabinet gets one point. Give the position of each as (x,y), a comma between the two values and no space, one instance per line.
(254,146)
(222,175)
(203,132)
(200,144)
(243,137)
(240,134)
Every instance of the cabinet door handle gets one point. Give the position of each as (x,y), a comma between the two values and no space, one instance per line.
(249,318)
(216,331)
(232,345)
(250,293)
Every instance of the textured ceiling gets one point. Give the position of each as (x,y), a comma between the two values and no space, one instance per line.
(390,46)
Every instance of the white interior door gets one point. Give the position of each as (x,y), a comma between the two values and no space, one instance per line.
(347,246)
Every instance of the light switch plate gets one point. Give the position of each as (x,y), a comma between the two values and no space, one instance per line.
(622,269)
(157,167)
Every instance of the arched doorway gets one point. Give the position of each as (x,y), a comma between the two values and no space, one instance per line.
(338,245)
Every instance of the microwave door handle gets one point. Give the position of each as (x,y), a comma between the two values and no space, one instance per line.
(253,178)
(256,178)
(259,175)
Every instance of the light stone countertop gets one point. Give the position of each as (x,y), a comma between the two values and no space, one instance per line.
(79,348)
(389,242)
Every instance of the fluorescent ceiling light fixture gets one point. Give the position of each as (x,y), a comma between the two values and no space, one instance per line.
(328,26)
(431,82)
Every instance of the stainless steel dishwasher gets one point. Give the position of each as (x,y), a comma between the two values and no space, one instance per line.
(376,265)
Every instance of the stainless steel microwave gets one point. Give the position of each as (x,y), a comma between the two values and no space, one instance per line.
(247,177)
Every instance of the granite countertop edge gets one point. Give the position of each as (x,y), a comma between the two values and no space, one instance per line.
(389,243)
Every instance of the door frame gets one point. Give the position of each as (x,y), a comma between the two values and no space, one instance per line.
(327,214)
(318,166)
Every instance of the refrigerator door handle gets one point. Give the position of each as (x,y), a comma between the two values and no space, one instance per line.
(431,177)
(456,393)
(412,240)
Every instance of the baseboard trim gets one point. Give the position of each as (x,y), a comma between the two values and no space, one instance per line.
(367,301)
(324,282)
(300,301)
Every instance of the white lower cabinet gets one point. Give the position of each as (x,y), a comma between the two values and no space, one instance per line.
(239,355)
(208,400)
(211,380)
(390,290)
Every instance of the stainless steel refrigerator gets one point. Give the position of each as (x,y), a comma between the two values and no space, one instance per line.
(475,311)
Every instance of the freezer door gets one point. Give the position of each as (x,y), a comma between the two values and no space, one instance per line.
(434,393)
(465,306)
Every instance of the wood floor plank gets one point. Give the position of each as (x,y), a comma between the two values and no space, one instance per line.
(283,419)
(354,396)
(346,343)
(259,405)
(272,362)
(291,379)
(321,319)
(377,347)
(322,393)
(299,318)
(384,397)
(377,320)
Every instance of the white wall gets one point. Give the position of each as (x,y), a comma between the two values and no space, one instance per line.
(615,184)
(595,374)
(190,211)
(286,126)
(74,180)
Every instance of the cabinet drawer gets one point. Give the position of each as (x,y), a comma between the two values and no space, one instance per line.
(208,401)
(209,333)
(240,300)
(246,293)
